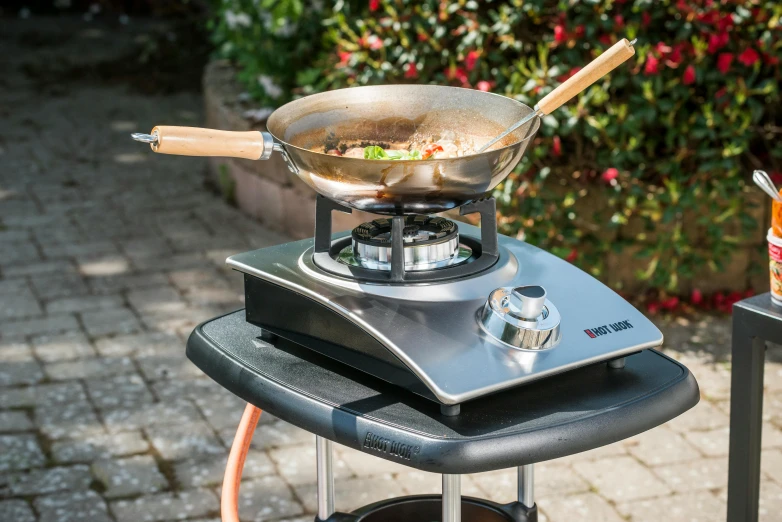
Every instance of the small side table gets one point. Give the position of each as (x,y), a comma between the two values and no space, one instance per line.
(756,321)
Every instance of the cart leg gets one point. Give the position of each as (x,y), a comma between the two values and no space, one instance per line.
(746,423)
(324,457)
(527,485)
(452,498)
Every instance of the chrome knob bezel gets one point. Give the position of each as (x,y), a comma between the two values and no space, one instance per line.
(499,319)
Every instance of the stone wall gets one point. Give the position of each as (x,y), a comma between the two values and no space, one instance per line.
(268,191)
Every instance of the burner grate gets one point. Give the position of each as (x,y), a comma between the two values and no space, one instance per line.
(395,270)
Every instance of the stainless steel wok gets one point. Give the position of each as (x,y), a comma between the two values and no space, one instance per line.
(391,114)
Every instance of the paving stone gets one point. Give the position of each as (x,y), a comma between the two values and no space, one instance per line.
(55,266)
(277,434)
(704,416)
(660,446)
(584,506)
(129,476)
(771,464)
(53,286)
(73,419)
(119,392)
(97,447)
(612,450)
(208,470)
(141,342)
(695,475)
(770,502)
(179,442)
(110,322)
(20,304)
(18,372)
(14,421)
(170,364)
(52,324)
(79,249)
(77,506)
(634,481)
(166,506)
(142,415)
(550,479)
(296,464)
(18,252)
(89,368)
(106,265)
(16,511)
(53,480)
(64,347)
(353,493)
(422,483)
(20,452)
(83,303)
(15,352)
(117,283)
(158,299)
(714,443)
(41,394)
(267,498)
(691,507)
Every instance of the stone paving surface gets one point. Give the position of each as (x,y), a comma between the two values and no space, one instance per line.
(110,256)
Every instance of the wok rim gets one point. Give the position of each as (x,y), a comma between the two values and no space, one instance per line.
(530,135)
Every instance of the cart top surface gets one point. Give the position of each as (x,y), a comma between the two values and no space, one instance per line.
(551,418)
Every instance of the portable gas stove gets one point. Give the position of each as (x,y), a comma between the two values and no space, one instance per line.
(462,313)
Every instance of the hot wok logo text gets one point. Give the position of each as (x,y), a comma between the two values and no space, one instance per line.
(391,447)
(608,329)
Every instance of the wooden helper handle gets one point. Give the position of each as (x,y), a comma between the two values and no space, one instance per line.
(596,69)
(194,141)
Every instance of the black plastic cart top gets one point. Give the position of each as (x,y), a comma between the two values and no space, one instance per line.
(561,415)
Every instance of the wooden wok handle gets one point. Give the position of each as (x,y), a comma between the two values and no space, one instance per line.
(596,69)
(194,141)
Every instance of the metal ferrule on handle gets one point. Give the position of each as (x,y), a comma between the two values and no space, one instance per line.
(194,141)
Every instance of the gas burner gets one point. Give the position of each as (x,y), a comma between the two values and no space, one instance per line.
(429,243)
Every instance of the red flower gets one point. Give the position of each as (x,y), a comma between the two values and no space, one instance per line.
(572,256)
(604,39)
(580,30)
(609,175)
(457,73)
(776,177)
(717,42)
(675,58)
(749,57)
(689,75)
(726,22)
(560,35)
(375,42)
(696,297)
(662,48)
(374,5)
(652,65)
(344,57)
(411,71)
(556,147)
(670,303)
(646,19)
(653,307)
(708,18)
(619,21)
(484,86)
(769,59)
(723,62)
(421,37)
(720,93)
(470,60)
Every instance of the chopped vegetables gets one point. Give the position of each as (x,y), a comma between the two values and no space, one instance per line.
(431,149)
(374,152)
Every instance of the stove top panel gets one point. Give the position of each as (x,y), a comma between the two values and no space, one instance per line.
(434,328)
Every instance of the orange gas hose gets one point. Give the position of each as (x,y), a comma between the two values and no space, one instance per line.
(229,499)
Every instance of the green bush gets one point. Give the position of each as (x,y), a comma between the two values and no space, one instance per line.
(661,148)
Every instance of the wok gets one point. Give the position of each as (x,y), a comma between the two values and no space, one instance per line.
(386,114)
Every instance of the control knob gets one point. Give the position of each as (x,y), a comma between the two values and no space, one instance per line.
(521,317)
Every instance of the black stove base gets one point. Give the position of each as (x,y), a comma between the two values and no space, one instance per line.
(428,508)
